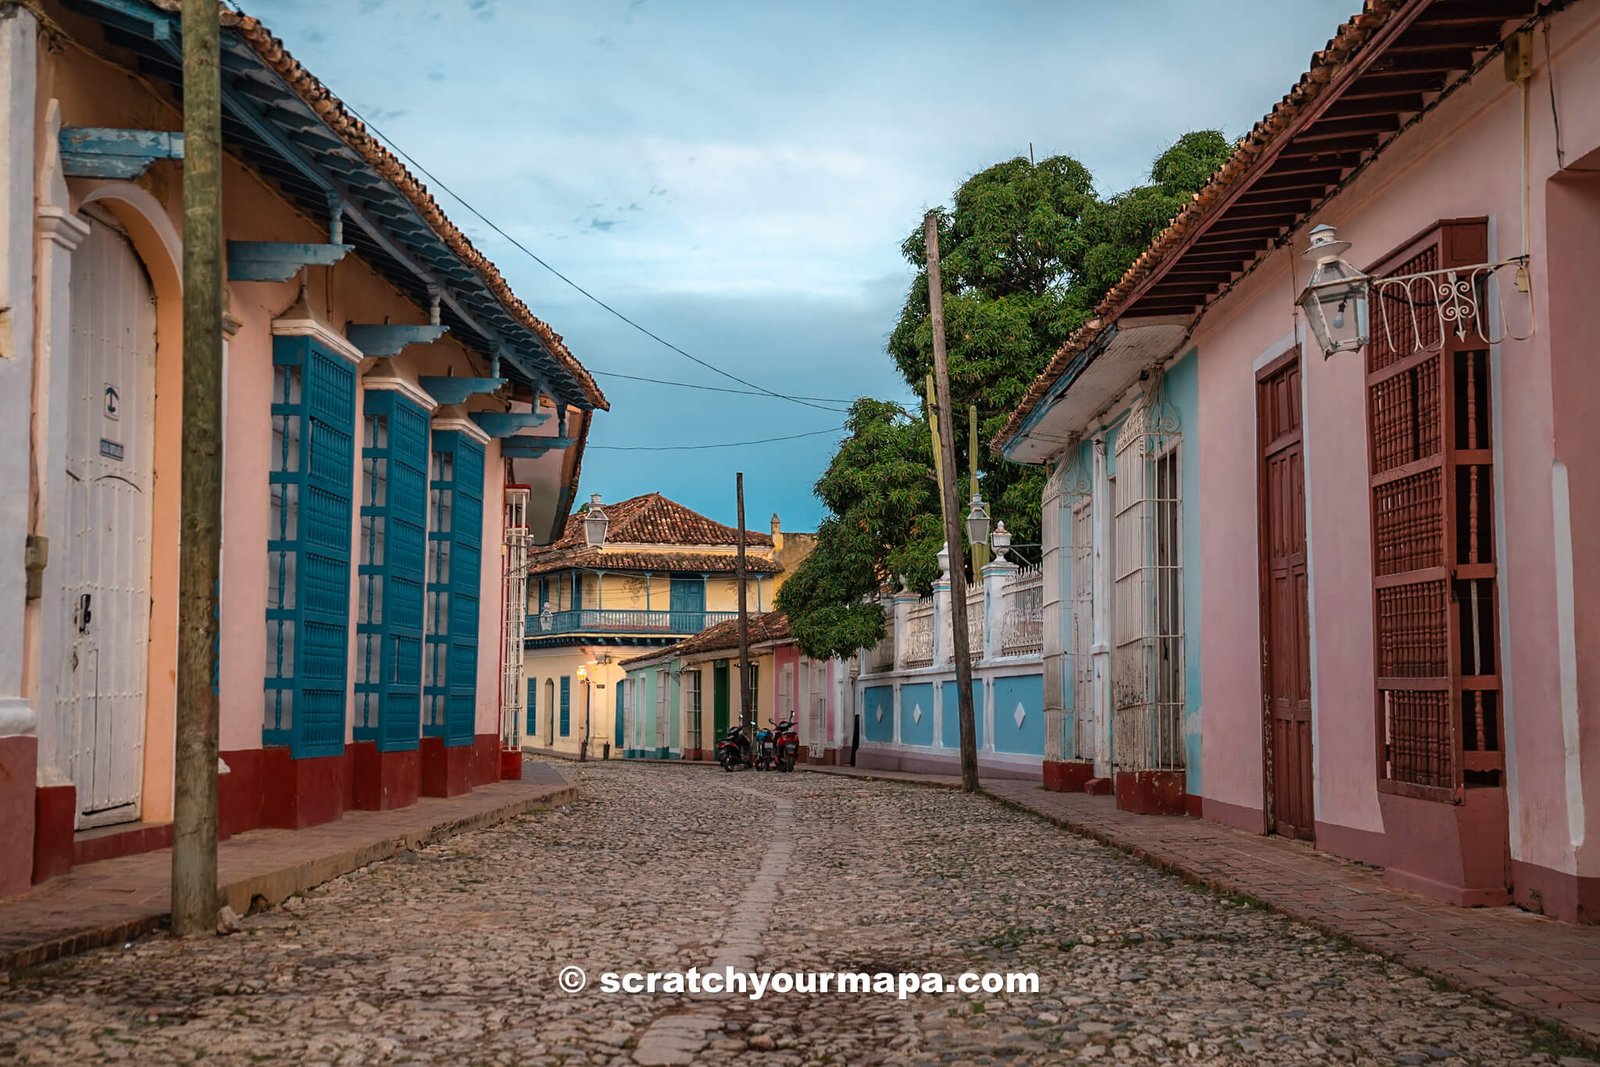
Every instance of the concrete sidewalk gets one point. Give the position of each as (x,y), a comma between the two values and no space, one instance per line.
(114,900)
(1544,970)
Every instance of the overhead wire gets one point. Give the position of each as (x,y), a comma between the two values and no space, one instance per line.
(720,444)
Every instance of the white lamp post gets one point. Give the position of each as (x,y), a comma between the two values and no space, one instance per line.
(1001,542)
(1334,301)
(595,523)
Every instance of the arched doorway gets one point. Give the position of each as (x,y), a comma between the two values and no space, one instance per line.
(110,463)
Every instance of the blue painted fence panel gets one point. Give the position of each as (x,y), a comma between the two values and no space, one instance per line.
(949,712)
(1024,692)
(877,713)
(916,714)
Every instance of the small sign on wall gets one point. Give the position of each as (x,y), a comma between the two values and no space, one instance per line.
(111,449)
(113,403)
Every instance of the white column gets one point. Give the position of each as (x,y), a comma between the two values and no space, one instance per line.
(943,637)
(18,34)
(995,577)
(1101,649)
(1054,629)
(903,603)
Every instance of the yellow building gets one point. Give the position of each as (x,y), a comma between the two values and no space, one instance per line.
(664,573)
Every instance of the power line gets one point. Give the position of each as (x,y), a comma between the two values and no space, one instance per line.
(725,444)
(590,296)
(709,388)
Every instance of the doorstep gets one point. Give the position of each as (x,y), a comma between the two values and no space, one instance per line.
(114,900)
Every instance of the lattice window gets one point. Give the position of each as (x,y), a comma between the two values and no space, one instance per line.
(662,708)
(1147,682)
(455,551)
(691,703)
(1082,647)
(308,548)
(566,705)
(1433,551)
(514,617)
(394,497)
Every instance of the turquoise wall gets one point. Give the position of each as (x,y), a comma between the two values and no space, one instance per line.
(877,713)
(916,729)
(1025,691)
(1183,389)
(950,722)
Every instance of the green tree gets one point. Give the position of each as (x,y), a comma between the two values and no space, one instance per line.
(883,524)
(1027,250)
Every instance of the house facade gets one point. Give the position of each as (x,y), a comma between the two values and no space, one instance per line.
(1389,617)
(678,701)
(382,386)
(664,573)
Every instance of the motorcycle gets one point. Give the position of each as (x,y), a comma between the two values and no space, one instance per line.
(734,749)
(786,744)
(764,749)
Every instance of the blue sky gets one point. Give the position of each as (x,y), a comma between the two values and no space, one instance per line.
(738,175)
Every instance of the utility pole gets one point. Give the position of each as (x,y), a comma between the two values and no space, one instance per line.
(194,812)
(746,712)
(951,508)
(933,431)
(980,552)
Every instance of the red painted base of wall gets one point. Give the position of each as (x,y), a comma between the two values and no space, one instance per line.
(239,793)
(19,769)
(1067,776)
(1151,792)
(55,808)
(485,760)
(834,757)
(1363,846)
(1563,896)
(1193,807)
(511,765)
(128,841)
(297,793)
(1457,853)
(446,771)
(1237,815)
(1098,787)
(383,781)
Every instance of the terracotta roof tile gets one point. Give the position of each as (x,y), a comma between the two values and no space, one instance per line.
(611,559)
(653,519)
(1206,204)
(724,636)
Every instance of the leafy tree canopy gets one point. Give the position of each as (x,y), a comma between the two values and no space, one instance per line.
(1026,252)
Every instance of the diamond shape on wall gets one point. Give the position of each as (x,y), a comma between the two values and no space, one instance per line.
(916,713)
(877,716)
(1020,714)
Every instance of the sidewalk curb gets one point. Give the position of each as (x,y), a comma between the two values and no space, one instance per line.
(274,887)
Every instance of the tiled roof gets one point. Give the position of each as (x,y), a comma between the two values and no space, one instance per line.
(1305,148)
(611,559)
(653,519)
(724,637)
(332,111)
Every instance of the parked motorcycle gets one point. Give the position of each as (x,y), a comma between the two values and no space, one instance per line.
(733,750)
(786,745)
(764,749)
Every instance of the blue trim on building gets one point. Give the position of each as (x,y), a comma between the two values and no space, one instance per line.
(877,713)
(454,568)
(1183,390)
(950,714)
(566,706)
(916,729)
(1011,692)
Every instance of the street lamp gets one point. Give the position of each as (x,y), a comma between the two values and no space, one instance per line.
(595,523)
(583,746)
(1335,299)
(977,522)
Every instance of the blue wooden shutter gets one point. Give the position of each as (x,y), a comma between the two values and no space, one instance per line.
(308,604)
(390,571)
(533,707)
(618,741)
(455,563)
(566,706)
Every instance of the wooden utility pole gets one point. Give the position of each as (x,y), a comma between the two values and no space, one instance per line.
(194,812)
(746,710)
(952,517)
(933,431)
(980,552)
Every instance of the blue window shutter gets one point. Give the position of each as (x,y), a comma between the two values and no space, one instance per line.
(617,742)
(532,708)
(308,612)
(566,706)
(455,544)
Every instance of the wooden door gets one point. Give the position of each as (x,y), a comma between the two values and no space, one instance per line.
(110,474)
(719,700)
(1285,622)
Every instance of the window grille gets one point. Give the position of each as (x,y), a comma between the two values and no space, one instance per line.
(513,602)
(1082,648)
(454,575)
(1432,471)
(661,709)
(308,548)
(691,693)
(1147,684)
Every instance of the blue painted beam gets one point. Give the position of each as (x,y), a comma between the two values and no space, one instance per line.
(506,423)
(456,390)
(277,261)
(136,16)
(102,152)
(524,447)
(387,339)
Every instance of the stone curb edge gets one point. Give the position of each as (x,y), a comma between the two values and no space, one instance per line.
(277,886)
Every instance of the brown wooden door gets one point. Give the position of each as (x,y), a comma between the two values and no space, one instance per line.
(1285,623)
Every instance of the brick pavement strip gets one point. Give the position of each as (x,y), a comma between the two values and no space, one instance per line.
(1546,971)
(115,900)
(450,953)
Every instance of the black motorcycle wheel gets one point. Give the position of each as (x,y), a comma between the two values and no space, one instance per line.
(728,761)
(787,760)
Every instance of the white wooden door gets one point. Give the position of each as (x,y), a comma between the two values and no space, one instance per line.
(106,583)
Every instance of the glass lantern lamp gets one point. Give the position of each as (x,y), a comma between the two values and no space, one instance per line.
(595,523)
(1334,301)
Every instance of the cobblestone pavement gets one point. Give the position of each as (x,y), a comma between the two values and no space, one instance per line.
(450,954)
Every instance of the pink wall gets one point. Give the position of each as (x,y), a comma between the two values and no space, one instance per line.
(1463,161)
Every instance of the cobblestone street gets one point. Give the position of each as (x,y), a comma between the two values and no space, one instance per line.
(450,954)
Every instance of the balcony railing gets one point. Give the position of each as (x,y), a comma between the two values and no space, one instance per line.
(609,621)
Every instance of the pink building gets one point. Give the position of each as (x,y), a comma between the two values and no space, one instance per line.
(382,389)
(1389,621)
